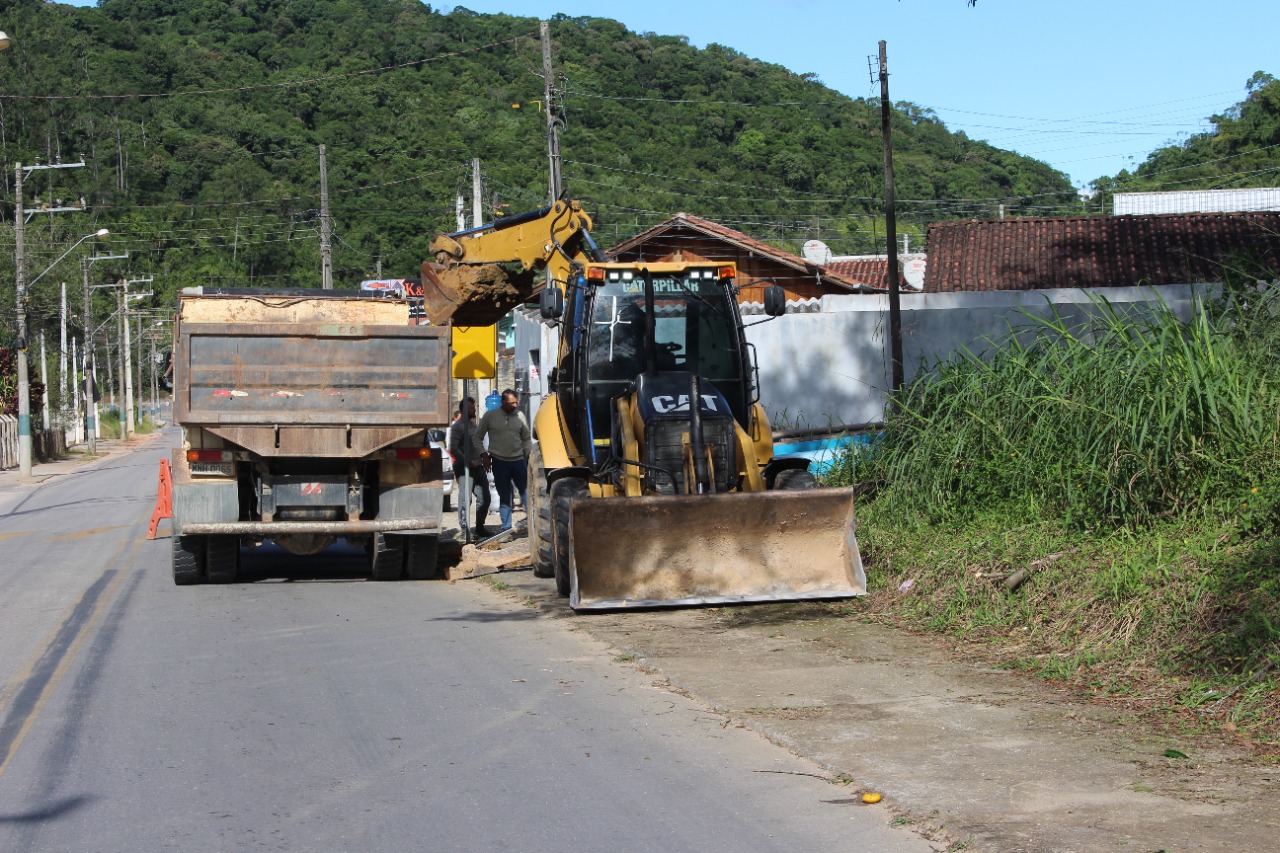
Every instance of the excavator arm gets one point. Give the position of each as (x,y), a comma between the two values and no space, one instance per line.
(480,274)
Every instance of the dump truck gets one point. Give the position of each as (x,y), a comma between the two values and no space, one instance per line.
(305,417)
(653,481)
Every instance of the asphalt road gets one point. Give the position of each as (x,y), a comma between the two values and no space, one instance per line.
(309,709)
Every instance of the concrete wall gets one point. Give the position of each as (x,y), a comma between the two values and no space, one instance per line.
(832,368)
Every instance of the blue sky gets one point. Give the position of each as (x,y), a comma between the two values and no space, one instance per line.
(1087,86)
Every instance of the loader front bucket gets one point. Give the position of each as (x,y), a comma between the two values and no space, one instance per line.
(713,549)
(473,294)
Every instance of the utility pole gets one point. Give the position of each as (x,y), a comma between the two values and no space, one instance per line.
(75,395)
(91,405)
(890,225)
(20,299)
(553,119)
(477,211)
(44,380)
(126,364)
(62,359)
(326,252)
(20,296)
(138,386)
(122,352)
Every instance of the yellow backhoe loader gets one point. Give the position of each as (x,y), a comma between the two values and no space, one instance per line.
(653,482)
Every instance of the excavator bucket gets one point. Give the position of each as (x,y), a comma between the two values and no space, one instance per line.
(717,549)
(473,295)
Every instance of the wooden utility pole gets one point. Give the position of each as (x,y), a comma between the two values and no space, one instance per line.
(326,252)
(477,211)
(890,226)
(553,118)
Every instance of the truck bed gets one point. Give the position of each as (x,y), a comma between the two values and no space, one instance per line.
(308,376)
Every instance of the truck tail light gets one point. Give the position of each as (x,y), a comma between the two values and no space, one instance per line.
(209,456)
(410,453)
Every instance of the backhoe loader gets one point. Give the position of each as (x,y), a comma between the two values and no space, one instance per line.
(653,481)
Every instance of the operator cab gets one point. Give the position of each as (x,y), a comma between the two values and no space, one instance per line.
(652,321)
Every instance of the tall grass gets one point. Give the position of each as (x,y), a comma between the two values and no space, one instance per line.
(1122,420)
(1128,466)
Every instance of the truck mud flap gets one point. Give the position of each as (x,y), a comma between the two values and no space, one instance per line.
(717,549)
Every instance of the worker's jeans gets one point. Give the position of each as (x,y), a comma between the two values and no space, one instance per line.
(507,473)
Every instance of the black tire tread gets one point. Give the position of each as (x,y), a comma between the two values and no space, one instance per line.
(222,559)
(795,479)
(420,557)
(541,547)
(188,560)
(386,558)
(563,494)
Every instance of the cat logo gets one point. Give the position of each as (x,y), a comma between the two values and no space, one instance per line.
(665,404)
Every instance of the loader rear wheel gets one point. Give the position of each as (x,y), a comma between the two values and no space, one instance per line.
(795,479)
(538,513)
(223,559)
(188,559)
(386,558)
(563,494)
(420,553)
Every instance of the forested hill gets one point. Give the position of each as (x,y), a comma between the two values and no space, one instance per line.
(1242,150)
(199,121)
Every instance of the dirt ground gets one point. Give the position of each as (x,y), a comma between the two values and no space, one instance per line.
(974,758)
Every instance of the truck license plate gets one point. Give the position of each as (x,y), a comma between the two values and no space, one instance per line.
(216,469)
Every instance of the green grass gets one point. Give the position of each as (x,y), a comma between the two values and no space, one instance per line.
(1131,464)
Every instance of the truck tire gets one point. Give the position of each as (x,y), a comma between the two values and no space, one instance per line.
(420,553)
(795,479)
(386,558)
(222,559)
(538,514)
(563,494)
(188,559)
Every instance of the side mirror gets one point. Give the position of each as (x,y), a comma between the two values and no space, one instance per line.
(775,300)
(551,302)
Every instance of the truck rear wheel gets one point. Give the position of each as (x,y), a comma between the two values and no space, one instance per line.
(188,559)
(538,513)
(222,560)
(563,494)
(386,558)
(420,553)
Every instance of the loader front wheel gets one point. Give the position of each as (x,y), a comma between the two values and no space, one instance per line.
(538,513)
(794,480)
(563,494)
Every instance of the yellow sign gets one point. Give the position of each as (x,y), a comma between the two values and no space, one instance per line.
(475,352)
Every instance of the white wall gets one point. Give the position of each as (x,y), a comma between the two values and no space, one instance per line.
(833,368)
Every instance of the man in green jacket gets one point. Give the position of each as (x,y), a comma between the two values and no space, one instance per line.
(508,454)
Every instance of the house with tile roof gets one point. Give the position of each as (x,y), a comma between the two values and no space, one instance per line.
(1097,251)
(685,237)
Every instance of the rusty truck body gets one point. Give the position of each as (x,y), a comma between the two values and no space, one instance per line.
(305,418)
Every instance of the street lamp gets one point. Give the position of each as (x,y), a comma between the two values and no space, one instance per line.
(24,382)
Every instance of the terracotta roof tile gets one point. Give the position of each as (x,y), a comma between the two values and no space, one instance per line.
(1096,251)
